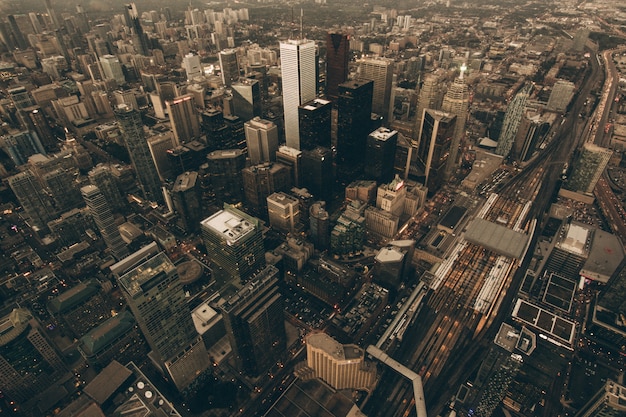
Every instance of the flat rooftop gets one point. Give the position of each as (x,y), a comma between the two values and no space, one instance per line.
(497,238)
(333,348)
(203,316)
(382,133)
(557,330)
(605,256)
(229,225)
(135,278)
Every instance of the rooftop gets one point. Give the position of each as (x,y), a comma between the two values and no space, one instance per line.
(135,278)
(497,238)
(229,225)
(382,133)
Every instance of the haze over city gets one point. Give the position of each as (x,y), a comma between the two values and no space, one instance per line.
(314,208)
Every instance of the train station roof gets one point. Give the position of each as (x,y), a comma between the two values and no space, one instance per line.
(497,238)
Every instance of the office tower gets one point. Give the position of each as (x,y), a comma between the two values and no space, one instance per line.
(192,66)
(125,97)
(229,66)
(514,112)
(131,127)
(348,234)
(319,225)
(237,136)
(212,124)
(429,98)
(299,83)
(434,146)
(284,212)
(183,119)
(561,95)
(380,154)
(52,15)
(31,196)
(21,145)
(224,170)
(379,70)
(112,69)
(6,37)
(261,139)
(153,291)
(20,40)
(234,243)
(320,176)
(34,118)
(315,123)
(159,145)
(61,185)
(28,362)
(456,102)
(340,366)
(139,38)
(20,97)
(354,109)
(255,323)
(587,168)
(187,202)
(247,98)
(259,181)
(102,177)
(337,63)
(609,401)
(531,132)
(102,216)
(291,158)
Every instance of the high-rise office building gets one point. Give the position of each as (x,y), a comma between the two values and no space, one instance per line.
(284,212)
(20,97)
(354,110)
(192,66)
(380,71)
(187,201)
(291,158)
(380,154)
(429,97)
(139,38)
(102,216)
(337,63)
(434,146)
(261,139)
(561,95)
(160,145)
(259,181)
(28,362)
(234,243)
(247,98)
(320,176)
(531,132)
(587,168)
(21,145)
(255,324)
(299,83)
(340,366)
(152,288)
(319,225)
(61,185)
(18,36)
(514,112)
(112,69)
(315,124)
(33,199)
(224,174)
(456,102)
(229,66)
(102,177)
(34,118)
(183,119)
(131,127)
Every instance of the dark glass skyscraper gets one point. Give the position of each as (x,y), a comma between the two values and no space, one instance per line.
(380,154)
(434,144)
(131,127)
(354,112)
(315,121)
(337,59)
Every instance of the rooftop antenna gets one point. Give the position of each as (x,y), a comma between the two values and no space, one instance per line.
(463,69)
(301,17)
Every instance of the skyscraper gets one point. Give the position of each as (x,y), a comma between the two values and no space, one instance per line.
(561,95)
(255,323)
(234,244)
(102,177)
(131,127)
(112,69)
(152,288)
(186,199)
(102,216)
(429,98)
(34,201)
(183,119)
(299,83)
(192,66)
(139,38)
(224,170)
(21,145)
(60,183)
(380,71)
(319,225)
(512,119)
(354,110)
(434,146)
(229,66)
(262,140)
(609,401)
(315,124)
(380,154)
(247,98)
(456,102)
(292,159)
(284,212)
(320,176)
(261,180)
(337,59)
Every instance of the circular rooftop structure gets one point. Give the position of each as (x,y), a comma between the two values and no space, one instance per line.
(189,272)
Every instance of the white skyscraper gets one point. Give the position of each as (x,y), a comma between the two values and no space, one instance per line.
(112,69)
(192,66)
(297,61)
